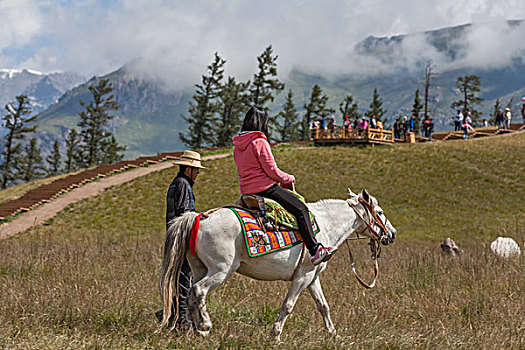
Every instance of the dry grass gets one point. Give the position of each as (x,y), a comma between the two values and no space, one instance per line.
(88,279)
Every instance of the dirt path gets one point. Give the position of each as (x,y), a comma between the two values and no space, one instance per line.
(49,210)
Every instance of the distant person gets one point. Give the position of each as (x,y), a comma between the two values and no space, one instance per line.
(468,116)
(466,128)
(347,126)
(508,117)
(485,123)
(334,126)
(331,127)
(379,125)
(458,119)
(397,129)
(523,113)
(363,125)
(259,174)
(430,129)
(313,129)
(355,123)
(373,122)
(411,124)
(467,119)
(322,126)
(405,127)
(499,119)
(424,128)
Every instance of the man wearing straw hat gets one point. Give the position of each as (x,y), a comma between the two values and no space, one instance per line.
(179,200)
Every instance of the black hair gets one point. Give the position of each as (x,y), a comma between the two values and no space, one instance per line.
(256,119)
(182,168)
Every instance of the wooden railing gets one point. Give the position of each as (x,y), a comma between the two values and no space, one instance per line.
(343,133)
(380,135)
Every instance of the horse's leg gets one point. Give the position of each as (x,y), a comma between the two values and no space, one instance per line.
(322,305)
(298,285)
(197,298)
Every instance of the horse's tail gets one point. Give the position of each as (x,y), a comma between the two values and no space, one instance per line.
(175,248)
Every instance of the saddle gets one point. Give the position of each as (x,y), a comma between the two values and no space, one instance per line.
(256,206)
(270,215)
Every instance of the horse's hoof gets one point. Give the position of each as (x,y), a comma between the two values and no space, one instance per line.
(203,333)
(275,333)
(277,339)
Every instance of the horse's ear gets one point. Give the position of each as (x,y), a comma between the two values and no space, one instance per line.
(354,199)
(365,196)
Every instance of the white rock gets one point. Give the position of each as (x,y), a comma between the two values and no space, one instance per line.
(505,247)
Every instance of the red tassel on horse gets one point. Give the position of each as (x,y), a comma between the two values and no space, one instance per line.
(193,234)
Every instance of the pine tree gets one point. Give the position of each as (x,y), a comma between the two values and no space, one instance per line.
(53,160)
(265,81)
(350,108)
(376,107)
(497,107)
(416,111)
(201,112)
(30,165)
(468,86)
(316,106)
(289,128)
(15,122)
(233,99)
(94,122)
(73,155)
(110,150)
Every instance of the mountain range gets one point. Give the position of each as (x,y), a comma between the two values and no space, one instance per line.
(43,90)
(149,121)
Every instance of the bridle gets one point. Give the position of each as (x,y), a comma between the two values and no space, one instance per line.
(375,243)
(381,236)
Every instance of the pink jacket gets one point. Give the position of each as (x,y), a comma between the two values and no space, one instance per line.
(255,163)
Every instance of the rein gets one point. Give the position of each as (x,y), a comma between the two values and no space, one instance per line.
(375,244)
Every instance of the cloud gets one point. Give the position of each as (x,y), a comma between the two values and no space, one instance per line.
(177,39)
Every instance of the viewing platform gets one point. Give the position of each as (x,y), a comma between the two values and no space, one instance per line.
(340,136)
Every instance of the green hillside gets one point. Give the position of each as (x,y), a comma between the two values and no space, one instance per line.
(88,278)
(148,120)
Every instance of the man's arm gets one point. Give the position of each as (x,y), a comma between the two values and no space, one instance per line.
(178,200)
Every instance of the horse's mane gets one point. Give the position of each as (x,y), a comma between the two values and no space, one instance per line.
(325,201)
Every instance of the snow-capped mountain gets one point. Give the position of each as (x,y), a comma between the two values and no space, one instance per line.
(43,90)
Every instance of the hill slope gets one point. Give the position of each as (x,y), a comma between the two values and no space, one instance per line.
(147,121)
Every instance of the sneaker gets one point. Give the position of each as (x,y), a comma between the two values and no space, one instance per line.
(322,255)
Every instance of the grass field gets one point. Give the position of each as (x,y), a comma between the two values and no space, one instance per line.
(88,278)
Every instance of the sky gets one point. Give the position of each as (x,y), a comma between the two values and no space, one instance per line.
(174,40)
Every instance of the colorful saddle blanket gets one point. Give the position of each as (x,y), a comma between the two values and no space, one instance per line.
(259,242)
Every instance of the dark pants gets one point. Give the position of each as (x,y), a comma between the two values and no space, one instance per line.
(297,209)
(184,290)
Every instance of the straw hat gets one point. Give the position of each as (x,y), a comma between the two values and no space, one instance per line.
(507,109)
(190,158)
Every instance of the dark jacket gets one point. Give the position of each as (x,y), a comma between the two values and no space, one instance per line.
(180,198)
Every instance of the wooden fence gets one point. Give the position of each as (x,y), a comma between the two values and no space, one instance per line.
(352,136)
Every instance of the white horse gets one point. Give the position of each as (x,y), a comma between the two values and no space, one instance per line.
(221,251)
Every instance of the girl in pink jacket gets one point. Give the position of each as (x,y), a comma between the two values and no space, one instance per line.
(259,174)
